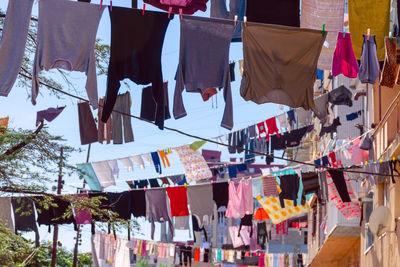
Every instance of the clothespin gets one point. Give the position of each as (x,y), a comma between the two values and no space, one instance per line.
(390,36)
(144,188)
(236,19)
(144,9)
(169,11)
(366,163)
(180,13)
(212,181)
(245,20)
(185,185)
(393,159)
(368,33)
(323,29)
(380,161)
(101,4)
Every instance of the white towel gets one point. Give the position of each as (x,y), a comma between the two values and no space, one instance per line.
(114,167)
(127,163)
(138,161)
(103,173)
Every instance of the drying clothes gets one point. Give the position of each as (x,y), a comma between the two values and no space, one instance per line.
(247,220)
(87,125)
(278,143)
(290,81)
(138,161)
(194,165)
(240,199)
(164,181)
(331,128)
(249,156)
(24,219)
(261,215)
(294,137)
(120,203)
(138,203)
(141,184)
(154,183)
(158,212)
(369,64)
(178,201)
(183,180)
(82,216)
(208,93)
(5,214)
(241,139)
(321,107)
(195,71)
(366,143)
(235,236)
(54,214)
(314,14)
(304,117)
(127,163)
(232,171)
(289,188)
(104,204)
(56,46)
(48,114)
(360,14)
(156,162)
(103,173)
(122,104)
(13,41)
(89,176)
(278,214)
(352,116)
(149,105)
(283,121)
(221,194)
(291,117)
(390,66)
(201,205)
(114,167)
(272,127)
(252,131)
(340,96)
(284,12)
(325,161)
(104,132)
(257,187)
(358,155)
(269,187)
(338,179)
(164,158)
(185,255)
(261,129)
(236,8)
(138,59)
(344,61)
(3,125)
(179,6)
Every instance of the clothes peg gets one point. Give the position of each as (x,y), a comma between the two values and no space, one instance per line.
(245,20)
(144,9)
(323,29)
(180,13)
(366,163)
(380,161)
(368,33)
(144,188)
(390,36)
(393,159)
(101,4)
(169,11)
(185,185)
(236,19)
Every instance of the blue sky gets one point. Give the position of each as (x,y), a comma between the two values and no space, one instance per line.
(202,119)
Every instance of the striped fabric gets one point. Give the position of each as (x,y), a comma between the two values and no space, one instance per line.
(270,187)
(315,13)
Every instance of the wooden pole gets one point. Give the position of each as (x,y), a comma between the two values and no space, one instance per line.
(55,234)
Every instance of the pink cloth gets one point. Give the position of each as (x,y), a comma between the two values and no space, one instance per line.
(82,216)
(358,155)
(236,239)
(344,61)
(261,261)
(240,199)
(143,248)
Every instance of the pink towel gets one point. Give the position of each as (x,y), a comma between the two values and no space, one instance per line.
(344,61)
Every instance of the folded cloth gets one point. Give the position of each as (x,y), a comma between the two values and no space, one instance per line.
(290,81)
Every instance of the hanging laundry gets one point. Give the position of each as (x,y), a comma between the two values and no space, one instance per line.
(188,7)
(283,121)
(289,185)
(24,216)
(178,201)
(352,116)
(284,12)
(149,105)
(257,188)
(261,129)
(138,59)
(314,14)
(278,142)
(104,204)
(221,194)
(103,173)
(235,236)
(360,14)
(53,214)
(89,175)
(82,216)
(54,50)
(237,8)
(104,129)
(120,203)
(325,161)
(240,199)
(194,165)
(390,66)
(138,161)
(294,138)
(340,96)
(201,204)
(344,61)
(369,64)
(164,158)
(321,108)
(147,158)
(5,214)
(232,142)
(156,162)
(291,117)
(157,201)
(249,156)
(127,163)
(290,81)
(114,167)
(122,104)
(272,127)
(331,128)
(87,125)
(196,145)
(154,183)
(261,215)
(358,155)
(138,203)
(13,41)
(48,114)
(195,73)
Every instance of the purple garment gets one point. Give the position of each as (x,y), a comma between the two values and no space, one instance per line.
(48,114)
(211,155)
(82,216)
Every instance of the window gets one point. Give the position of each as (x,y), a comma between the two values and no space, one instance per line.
(368,208)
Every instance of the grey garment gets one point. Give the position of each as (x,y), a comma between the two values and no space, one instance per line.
(201,67)
(123,104)
(66,38)
(369,64)
(24,216)
(218,9)
(12,43)
(104,129)
(323,186)
(303,116)
(252,131)
(366,143)
(158,212)
(261,145)
(201,204)
(321,108)
(372,168)
(340,96)
(384,168)
(181,222)
(5,214)
(87,125)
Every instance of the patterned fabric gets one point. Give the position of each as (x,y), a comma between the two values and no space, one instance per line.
(194,165)
(276,213)
(314,13)
(269,186)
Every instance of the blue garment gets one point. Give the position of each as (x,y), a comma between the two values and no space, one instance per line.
(90,176)
(232,171)
(317,162)
(249,156)
(325,161)
(320,74)
(183,181)
(352,116)
(156,161)
(241,167)
(236,7)
(291,117)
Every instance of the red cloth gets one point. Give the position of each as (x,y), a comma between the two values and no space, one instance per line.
(332,156)
(178,201)
(261,129)
(208,93)
(272,127)
(344,61)
(196,254)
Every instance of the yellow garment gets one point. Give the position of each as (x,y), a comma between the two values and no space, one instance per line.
(278,214)
(3,124)
(372,14)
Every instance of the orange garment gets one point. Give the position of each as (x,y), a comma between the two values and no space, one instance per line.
(3,124)
(197,254)
(164,158)
(261,215)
